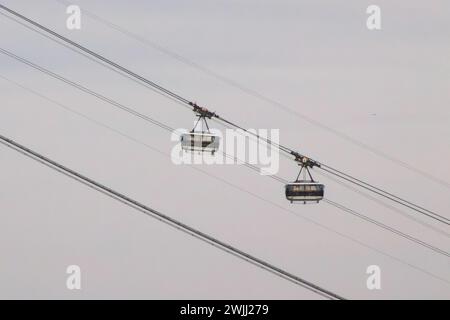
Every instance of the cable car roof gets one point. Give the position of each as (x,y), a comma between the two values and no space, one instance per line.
(302,183)
(199,133)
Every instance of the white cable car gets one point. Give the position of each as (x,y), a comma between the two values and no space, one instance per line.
(304,190)
(200,141)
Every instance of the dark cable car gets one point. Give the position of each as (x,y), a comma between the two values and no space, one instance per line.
(201,141)
(304,190)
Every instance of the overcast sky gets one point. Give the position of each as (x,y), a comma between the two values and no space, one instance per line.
(387,89)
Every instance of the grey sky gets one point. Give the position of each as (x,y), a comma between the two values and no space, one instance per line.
(314,56)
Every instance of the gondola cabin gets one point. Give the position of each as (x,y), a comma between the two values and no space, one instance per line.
(200,141)
(304,191)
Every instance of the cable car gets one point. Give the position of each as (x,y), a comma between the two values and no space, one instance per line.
(304,190)
(200,140)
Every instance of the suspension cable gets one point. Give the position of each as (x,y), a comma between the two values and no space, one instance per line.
(168,220)
(195,107)
(339,206)
(168,128)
